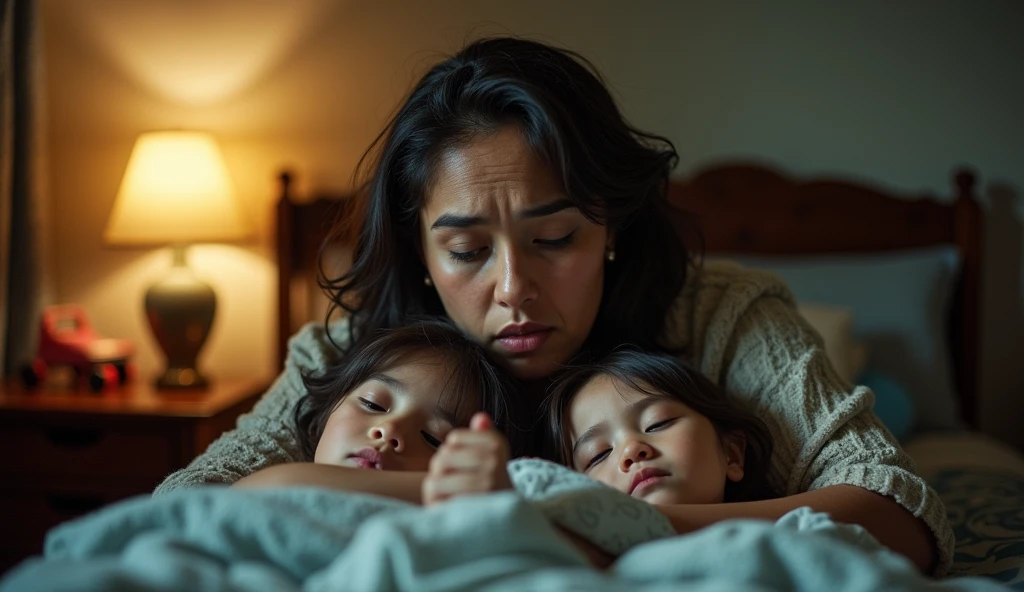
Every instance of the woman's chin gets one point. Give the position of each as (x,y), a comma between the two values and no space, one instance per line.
(529,368)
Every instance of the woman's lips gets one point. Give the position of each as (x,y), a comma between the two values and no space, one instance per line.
(524,343)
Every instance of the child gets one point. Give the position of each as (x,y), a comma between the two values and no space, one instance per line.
(651,427)
(389,404)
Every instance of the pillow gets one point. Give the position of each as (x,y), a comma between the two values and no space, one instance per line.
(849,357)
(893,405)
(835,325)
(899,303)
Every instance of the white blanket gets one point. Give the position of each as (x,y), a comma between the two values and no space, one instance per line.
(217,538)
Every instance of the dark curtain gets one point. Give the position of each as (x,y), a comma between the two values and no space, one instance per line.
(23,199)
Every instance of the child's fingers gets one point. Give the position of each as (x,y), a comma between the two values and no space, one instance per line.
(489,439)
(480,422)
(460,484)
(465,458)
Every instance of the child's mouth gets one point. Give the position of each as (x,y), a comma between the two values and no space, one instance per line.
(646,478)
(367,458)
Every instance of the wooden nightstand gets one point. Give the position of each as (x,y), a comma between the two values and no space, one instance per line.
(64,453)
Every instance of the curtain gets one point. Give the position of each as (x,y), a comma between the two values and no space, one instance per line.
(24,278)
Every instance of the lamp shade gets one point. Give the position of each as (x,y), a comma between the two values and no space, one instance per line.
(176,189)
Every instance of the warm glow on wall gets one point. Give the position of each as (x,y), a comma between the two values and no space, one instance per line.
(197,53)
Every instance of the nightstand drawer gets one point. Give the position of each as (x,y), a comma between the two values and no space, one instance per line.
(27,516)
(85,451)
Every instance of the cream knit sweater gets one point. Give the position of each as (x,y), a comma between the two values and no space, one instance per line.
(743,331)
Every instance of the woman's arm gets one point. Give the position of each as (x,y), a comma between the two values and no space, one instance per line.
(886,520)
(266,435)
(746,335)
(402,485)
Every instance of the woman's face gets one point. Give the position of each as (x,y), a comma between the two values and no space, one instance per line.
(518,268)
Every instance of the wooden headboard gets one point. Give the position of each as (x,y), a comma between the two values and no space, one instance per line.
(751,209)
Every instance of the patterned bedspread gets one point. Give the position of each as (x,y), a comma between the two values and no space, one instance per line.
(982,484)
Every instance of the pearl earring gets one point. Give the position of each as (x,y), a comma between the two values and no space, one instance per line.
(427,281)
(610,256)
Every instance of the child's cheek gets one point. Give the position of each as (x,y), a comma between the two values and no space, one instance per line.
(340,438)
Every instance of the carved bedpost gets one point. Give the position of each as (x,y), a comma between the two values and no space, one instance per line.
(969,239)
(285,261)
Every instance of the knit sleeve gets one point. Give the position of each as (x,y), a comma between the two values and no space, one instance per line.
(266,435)
(824,429)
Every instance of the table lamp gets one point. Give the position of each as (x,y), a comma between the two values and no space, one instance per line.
(176,191)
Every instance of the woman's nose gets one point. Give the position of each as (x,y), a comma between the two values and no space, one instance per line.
(388,433)
(635,451)
(513,286)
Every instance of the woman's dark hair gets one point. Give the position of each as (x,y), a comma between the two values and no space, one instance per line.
(473,379)
(664,376)
(616,175)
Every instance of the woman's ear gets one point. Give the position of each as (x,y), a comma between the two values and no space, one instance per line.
(609,244)
(734,445)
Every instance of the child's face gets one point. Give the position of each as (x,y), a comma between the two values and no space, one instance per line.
(653,448)
(393,421)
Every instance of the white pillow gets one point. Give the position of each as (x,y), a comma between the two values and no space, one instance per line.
(835,325)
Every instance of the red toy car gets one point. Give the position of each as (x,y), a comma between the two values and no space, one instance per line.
(66,338)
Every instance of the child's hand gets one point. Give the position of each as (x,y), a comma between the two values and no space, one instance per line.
(468,462)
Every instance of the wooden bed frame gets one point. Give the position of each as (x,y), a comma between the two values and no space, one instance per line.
(750,209)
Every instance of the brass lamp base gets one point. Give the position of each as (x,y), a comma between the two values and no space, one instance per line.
(180,310)
(181,378)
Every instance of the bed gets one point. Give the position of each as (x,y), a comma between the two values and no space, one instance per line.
(892,282)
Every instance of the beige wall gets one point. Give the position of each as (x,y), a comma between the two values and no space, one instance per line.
(897,94)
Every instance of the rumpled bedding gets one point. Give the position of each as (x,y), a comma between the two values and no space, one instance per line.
(218,538)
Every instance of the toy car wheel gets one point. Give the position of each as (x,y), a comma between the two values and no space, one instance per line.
(103,375)
(29,377)
(96,380)
(122,372)
(34,373)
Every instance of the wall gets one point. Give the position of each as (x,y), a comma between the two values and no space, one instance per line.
(899,94)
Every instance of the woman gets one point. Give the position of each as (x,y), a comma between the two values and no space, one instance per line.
(509,195)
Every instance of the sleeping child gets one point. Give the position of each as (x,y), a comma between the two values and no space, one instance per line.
(655,429)
(389,404)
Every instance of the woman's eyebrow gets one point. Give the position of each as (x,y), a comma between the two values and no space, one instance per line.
(538,211)
(456,221)
(547,209)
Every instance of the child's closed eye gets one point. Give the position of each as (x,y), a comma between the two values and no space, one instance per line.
(431,440)
(371,406)
(658,425)
(597,458)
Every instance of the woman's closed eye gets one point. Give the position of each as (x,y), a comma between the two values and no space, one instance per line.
(557,243)
(474,254)
(466,256)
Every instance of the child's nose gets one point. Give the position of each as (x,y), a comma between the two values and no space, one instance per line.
(634,452)
(389,433)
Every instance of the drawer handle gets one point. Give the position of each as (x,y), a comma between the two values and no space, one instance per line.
(74,504)
(75,437)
